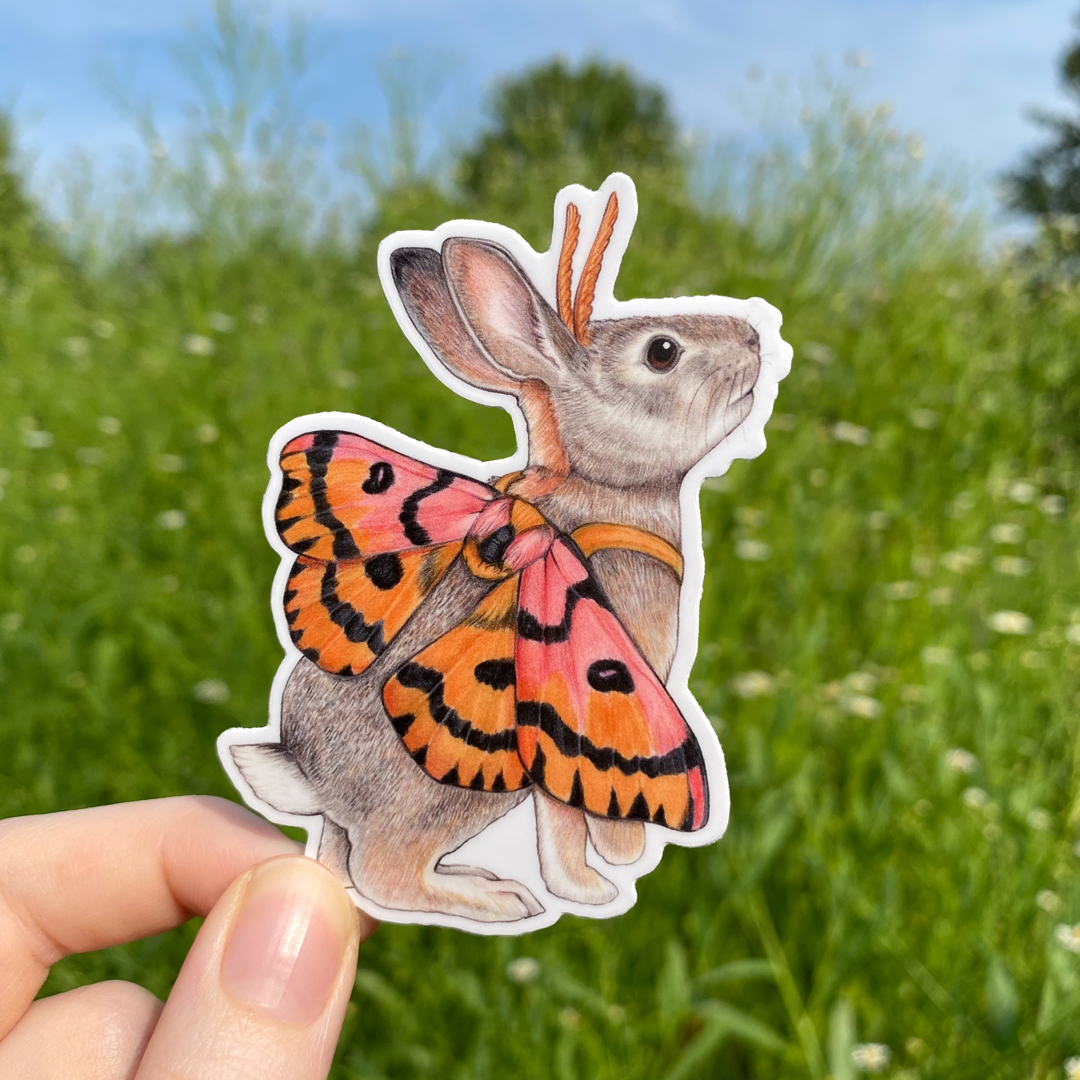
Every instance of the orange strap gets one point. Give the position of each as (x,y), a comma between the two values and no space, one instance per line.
(600,535)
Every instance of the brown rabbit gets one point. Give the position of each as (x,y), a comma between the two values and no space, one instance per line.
(623,416)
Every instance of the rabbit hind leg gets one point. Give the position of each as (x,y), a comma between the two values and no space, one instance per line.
(405,875)
(617,842)
(561,835)
(334,849)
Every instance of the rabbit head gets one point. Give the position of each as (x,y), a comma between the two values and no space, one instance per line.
(621,402)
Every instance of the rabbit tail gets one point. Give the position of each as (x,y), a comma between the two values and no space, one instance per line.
(274,776)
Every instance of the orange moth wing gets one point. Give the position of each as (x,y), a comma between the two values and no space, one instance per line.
(595,726)
(342,614)
(346,497)
(453,703)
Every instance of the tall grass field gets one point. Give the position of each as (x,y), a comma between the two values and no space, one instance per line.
(890,632)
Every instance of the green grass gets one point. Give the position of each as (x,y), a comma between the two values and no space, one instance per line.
(866,889)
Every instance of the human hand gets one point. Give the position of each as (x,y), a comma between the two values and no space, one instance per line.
(263,990)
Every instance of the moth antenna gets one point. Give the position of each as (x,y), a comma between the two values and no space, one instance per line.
(564,280)
(586,290)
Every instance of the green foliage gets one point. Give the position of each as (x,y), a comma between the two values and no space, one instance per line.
(874,885)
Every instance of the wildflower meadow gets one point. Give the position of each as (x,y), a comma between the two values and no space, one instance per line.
(890,631)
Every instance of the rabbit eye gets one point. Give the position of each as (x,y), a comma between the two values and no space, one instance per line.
(662,353)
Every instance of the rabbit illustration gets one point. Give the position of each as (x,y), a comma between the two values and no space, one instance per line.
(623,408)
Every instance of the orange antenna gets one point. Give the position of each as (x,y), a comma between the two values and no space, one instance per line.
(586,289)
(564,280)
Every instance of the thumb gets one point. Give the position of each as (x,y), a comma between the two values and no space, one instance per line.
(264,988)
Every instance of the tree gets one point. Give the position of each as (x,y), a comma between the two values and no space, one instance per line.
(1047,182)
(555,123)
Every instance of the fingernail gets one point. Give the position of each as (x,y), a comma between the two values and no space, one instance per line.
(288,940)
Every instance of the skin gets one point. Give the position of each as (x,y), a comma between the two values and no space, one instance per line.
(84,880)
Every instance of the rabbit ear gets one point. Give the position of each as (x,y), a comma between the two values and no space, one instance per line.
(421,283)
(513,323)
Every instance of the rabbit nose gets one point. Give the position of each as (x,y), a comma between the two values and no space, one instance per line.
(753,340)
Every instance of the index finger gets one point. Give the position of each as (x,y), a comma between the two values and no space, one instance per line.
(86,879)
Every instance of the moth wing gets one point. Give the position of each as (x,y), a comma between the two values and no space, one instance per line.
(595,726)
(347,497)
(453,703)
(342,614)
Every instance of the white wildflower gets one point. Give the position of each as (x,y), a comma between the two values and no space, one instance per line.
(819,353)
(753,684)
(523,970)
(1023,492)
(199,345)
(936,655)
(752,550)
(1011,622)
(37,440)
(169,463)
(871,1057)
(962,559)
(211,691)
(960,506)
(1072,1068)
(922,564)
(854,434)
(1006,532)
(1072,635)
(1012,565)
(344,379)
(942,596)
(220,322)
(925,419)
(102,328)
(975,797)
(109,425)
(862,682)
(901,590)
(75,347)
(862,705)
(1039,819)
(1053,505)
(172,519)
(751,518)
(1068,936)
(1048,900)
(961,761)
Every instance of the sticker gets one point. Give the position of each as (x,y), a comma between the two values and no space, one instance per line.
(482,718)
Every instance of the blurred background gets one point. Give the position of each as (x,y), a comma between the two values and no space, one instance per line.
(190,204)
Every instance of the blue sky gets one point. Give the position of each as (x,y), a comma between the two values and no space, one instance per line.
(960,73)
